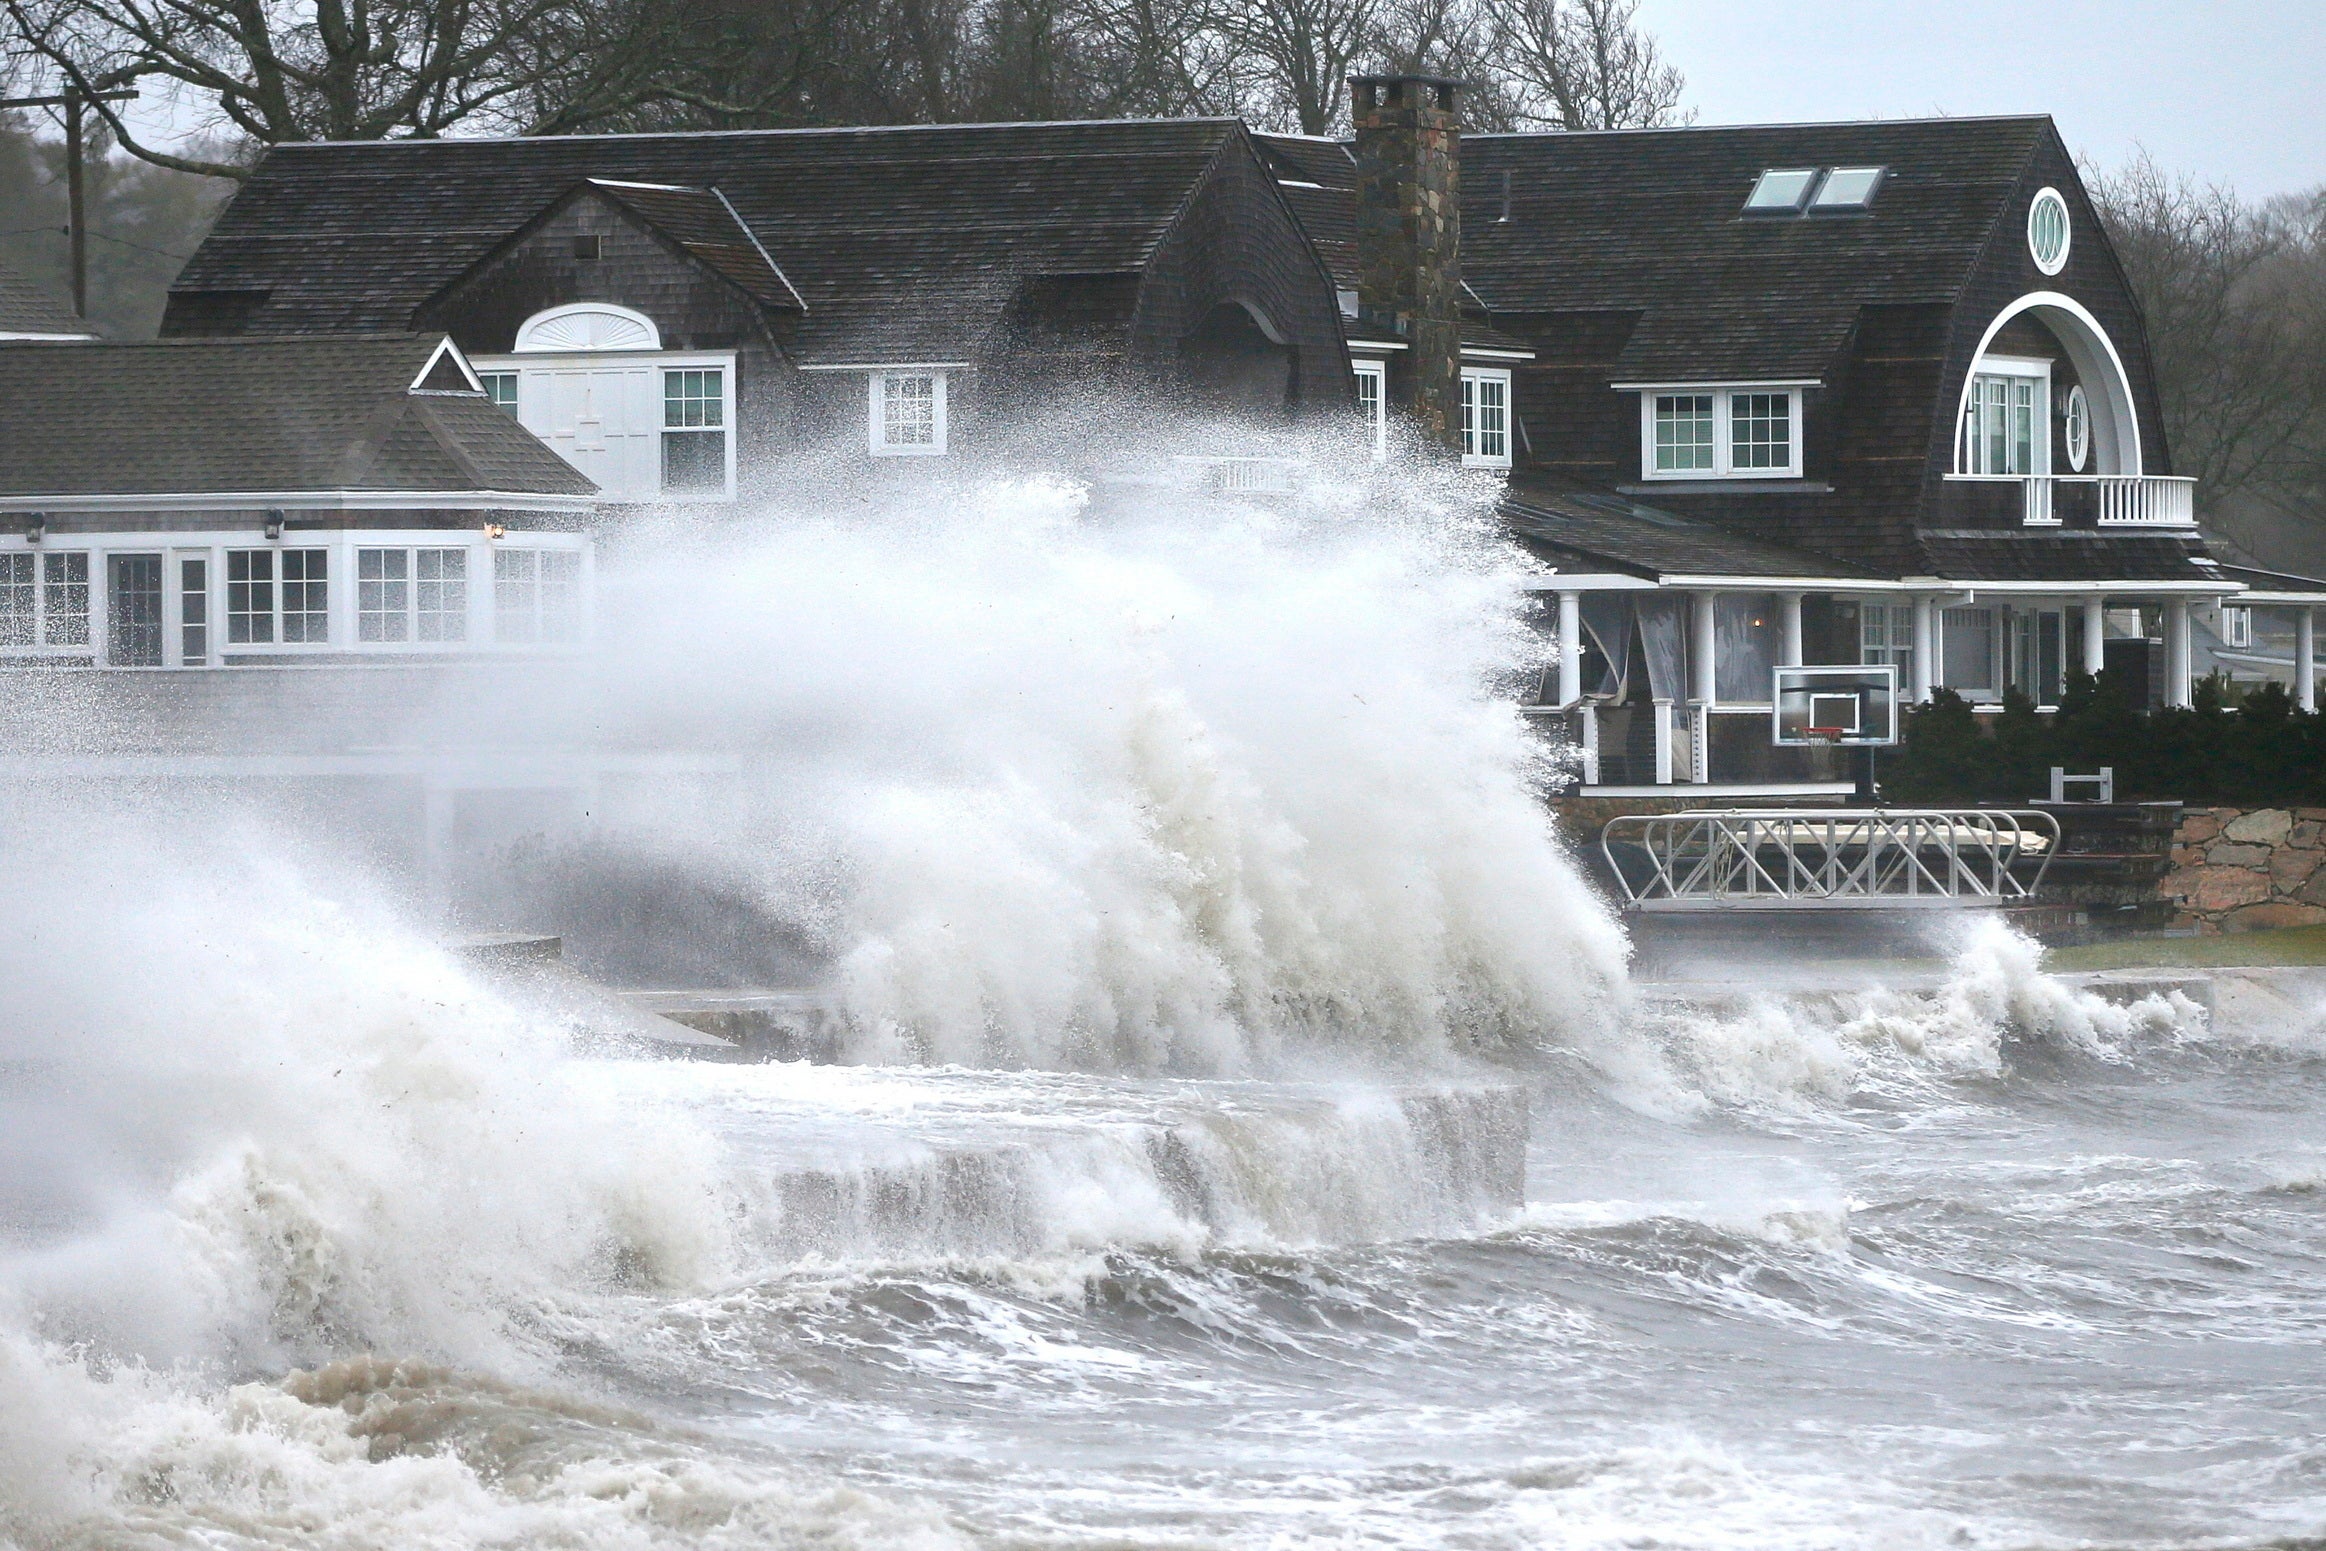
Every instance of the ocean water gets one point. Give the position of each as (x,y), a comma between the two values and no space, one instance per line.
(1250,1135)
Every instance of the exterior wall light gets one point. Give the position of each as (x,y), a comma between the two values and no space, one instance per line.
(274,524)
(494,530)
(36,528)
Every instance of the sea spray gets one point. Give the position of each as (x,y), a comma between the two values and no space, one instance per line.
(1155,786)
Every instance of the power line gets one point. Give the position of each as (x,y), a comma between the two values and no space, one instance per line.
(63,231)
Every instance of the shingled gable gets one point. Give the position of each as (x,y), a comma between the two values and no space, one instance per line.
(692,224)
(312,422)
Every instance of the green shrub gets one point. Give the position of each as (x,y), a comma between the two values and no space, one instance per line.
(2251,747)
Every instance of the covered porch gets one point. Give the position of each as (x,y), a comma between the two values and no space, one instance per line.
(1665,687)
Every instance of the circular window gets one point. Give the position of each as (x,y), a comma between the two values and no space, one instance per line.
(2079,429)
(2047,231)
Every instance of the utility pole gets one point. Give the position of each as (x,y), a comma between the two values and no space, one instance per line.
(74,104)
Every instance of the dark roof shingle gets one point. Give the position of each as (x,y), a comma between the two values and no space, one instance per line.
(202,417)
(26,309)
(909,238)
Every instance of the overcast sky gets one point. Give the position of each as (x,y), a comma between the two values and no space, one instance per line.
(2231,90)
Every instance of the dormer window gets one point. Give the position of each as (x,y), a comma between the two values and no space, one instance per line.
(1743,432)
(1781,191)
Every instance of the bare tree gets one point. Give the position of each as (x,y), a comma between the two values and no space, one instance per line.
(1581,64)
(280,70)
(2235,300)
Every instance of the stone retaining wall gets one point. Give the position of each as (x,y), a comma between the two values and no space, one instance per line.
(2246,869)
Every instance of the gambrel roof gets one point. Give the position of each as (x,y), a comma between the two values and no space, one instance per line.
(909,239)
(1652,221)
(377,414)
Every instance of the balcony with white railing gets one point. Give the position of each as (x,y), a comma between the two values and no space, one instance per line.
(2113,501)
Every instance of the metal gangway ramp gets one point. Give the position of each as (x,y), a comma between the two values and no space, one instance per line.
(1829,858)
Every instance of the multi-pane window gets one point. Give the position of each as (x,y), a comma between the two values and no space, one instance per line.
(1485,418)
(1373,405)
(383,595)
(277,595)
(306,604)
(1719,433)
(411,595)
(64,599)
(1684,433)
(133,611)
(908,413)
(44,599)
(1760,432)
(536,595)
(501,388)
(250,596)
(193,611)
(2004,420)
(1886,635)
(694,430)
(440,595)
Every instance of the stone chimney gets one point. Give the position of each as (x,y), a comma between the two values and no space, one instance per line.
(1409,238)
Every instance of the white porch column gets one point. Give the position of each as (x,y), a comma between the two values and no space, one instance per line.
(1663,709)
(2306,658)
(2095,634)
(1589,712)
(1925,647)
(1704,679)
(1570,648)
(1789,619)
(2180,669)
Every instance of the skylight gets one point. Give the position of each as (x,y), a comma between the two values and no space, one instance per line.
(1847,188)
(1780,191)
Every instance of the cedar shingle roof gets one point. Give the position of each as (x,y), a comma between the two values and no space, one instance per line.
(1561,521)
(910,239)
(701,221)
(27,309)
(257,415)
(1651,220)
(1648,221)
(2064,555)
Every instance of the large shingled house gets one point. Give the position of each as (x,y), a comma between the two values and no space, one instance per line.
(1818,393)
(672,311)
(1827,393)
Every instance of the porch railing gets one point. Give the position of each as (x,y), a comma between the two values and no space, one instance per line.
(1812,859)
(2113,500)
(2148,500)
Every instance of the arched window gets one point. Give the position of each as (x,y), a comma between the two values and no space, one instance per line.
(588,326)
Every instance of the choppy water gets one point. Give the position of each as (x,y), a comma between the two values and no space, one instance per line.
(1994,1265)
(1255,1141)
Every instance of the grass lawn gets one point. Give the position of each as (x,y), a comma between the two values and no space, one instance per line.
(2293,945)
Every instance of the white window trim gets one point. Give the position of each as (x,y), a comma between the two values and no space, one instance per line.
(341,596)
(1500,375)
(659,361)
(1723,431)
(876,400)
(2006,366)
(1378,426)
(2067,238)
(2076,428)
